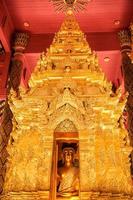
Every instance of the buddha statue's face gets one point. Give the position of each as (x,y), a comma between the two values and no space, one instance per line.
(69,2)
(68,154)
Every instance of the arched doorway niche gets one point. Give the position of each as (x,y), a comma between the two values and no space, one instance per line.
(66,136)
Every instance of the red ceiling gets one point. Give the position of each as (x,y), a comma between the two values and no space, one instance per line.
(99,16)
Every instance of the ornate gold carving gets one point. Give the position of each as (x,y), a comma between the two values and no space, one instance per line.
(66,126)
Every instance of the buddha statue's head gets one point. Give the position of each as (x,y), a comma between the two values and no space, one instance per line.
(68,154)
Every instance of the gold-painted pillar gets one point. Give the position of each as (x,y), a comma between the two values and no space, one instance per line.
(86,150)
(48,140)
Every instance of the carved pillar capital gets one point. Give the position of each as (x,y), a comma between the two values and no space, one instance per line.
(125,41)
(20,42)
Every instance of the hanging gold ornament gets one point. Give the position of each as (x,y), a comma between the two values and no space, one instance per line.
(76,5)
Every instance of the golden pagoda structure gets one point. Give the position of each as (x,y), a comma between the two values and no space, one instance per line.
(67,142)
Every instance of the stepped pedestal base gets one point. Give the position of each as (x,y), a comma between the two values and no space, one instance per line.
(104,196)
(83,196)
(26,196)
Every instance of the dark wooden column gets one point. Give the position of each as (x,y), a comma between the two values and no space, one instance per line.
(131,31)
(127,70)
(20,41)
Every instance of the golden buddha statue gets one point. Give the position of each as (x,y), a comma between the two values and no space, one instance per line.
(68,174)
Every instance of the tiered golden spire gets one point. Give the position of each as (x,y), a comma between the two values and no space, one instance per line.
(69,51)
(70,44)
(70,48)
